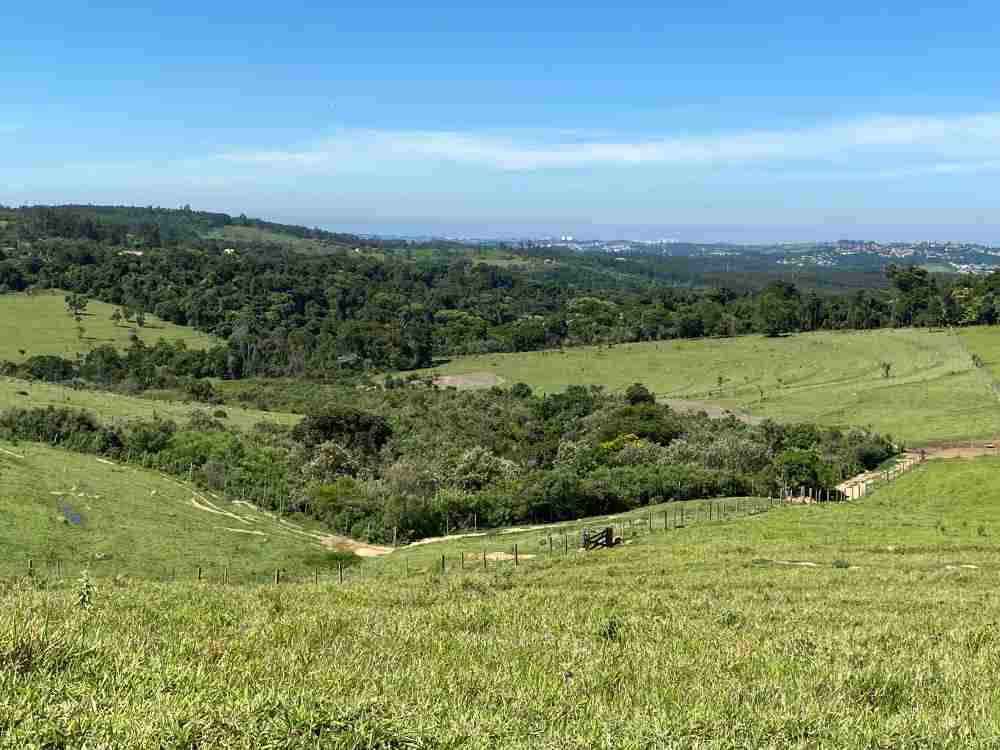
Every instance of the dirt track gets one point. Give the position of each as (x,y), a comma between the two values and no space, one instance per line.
(469,380)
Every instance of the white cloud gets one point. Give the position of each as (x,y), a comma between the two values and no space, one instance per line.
(959,144)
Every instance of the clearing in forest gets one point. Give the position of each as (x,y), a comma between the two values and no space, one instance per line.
(39,323)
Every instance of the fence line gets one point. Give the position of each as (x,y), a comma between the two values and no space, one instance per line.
(559,541)
(491,553)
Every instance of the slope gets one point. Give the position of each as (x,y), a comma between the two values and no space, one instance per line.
(110,406)
(934,392)
(40,324)
(92,513)
(866,624)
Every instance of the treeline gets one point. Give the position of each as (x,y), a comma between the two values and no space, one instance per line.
(283,313)
(153,226)
(422,460)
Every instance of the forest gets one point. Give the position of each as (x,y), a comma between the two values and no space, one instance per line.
(420,461)
(365,307)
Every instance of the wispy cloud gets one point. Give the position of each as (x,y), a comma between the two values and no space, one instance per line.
(958,144)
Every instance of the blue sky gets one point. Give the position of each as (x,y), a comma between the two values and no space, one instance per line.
(737,121)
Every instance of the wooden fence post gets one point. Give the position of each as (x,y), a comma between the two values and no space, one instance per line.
(340,571)
(31,573)
(515,555)
(442,564)
(277,576)
(485,566)
(199,572)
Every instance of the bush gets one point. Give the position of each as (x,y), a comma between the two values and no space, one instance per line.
(350,427)
(149,437)
(71,428)
(520,390)
(202,390)
(49,368)
(637,394)
(657,424)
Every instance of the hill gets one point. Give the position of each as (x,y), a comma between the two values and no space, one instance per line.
(934,390)
(111,518)
(40,324)
(856,625)
(115,406)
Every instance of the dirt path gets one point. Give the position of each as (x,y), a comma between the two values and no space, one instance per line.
(688,406)
(468,380)
(858,485)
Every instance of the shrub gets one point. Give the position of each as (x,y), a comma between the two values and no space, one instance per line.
(71,428)
(520,390)
(149,437)
(479,467)
(331,460)
(652,422)
(637,394)
(350,427)
(49,368)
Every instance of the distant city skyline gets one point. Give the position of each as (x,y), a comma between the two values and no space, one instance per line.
(716,122)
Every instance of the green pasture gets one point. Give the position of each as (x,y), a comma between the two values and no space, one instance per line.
(113,406)
(933,392)
(255,234)
(40,324)
(119,519)
(859,625)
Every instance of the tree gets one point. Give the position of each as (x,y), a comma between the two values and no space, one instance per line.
(520,390)
(75,304)
(777,309)
(637,394)
(116,317)
(354,429)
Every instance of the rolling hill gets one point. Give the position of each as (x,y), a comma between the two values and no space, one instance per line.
(934,391)
(864,624)
(90,513)
(40,324)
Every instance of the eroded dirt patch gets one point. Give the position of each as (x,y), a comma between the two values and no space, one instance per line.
(468,380)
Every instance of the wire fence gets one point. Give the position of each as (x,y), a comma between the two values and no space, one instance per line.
(488,551)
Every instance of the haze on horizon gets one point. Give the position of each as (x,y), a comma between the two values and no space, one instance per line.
(775,122)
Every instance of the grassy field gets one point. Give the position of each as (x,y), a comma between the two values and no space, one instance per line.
(934,392)
(40,324)
(869,624)
(112,519)
(290,241)
(112,406)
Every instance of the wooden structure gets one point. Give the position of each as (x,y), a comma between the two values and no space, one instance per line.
(594,538)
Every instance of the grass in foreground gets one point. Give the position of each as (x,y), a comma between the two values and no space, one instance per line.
(934,392)
(118,519)
(711,637)
(39,324)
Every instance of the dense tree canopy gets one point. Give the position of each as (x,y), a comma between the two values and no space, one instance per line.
(353,309)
